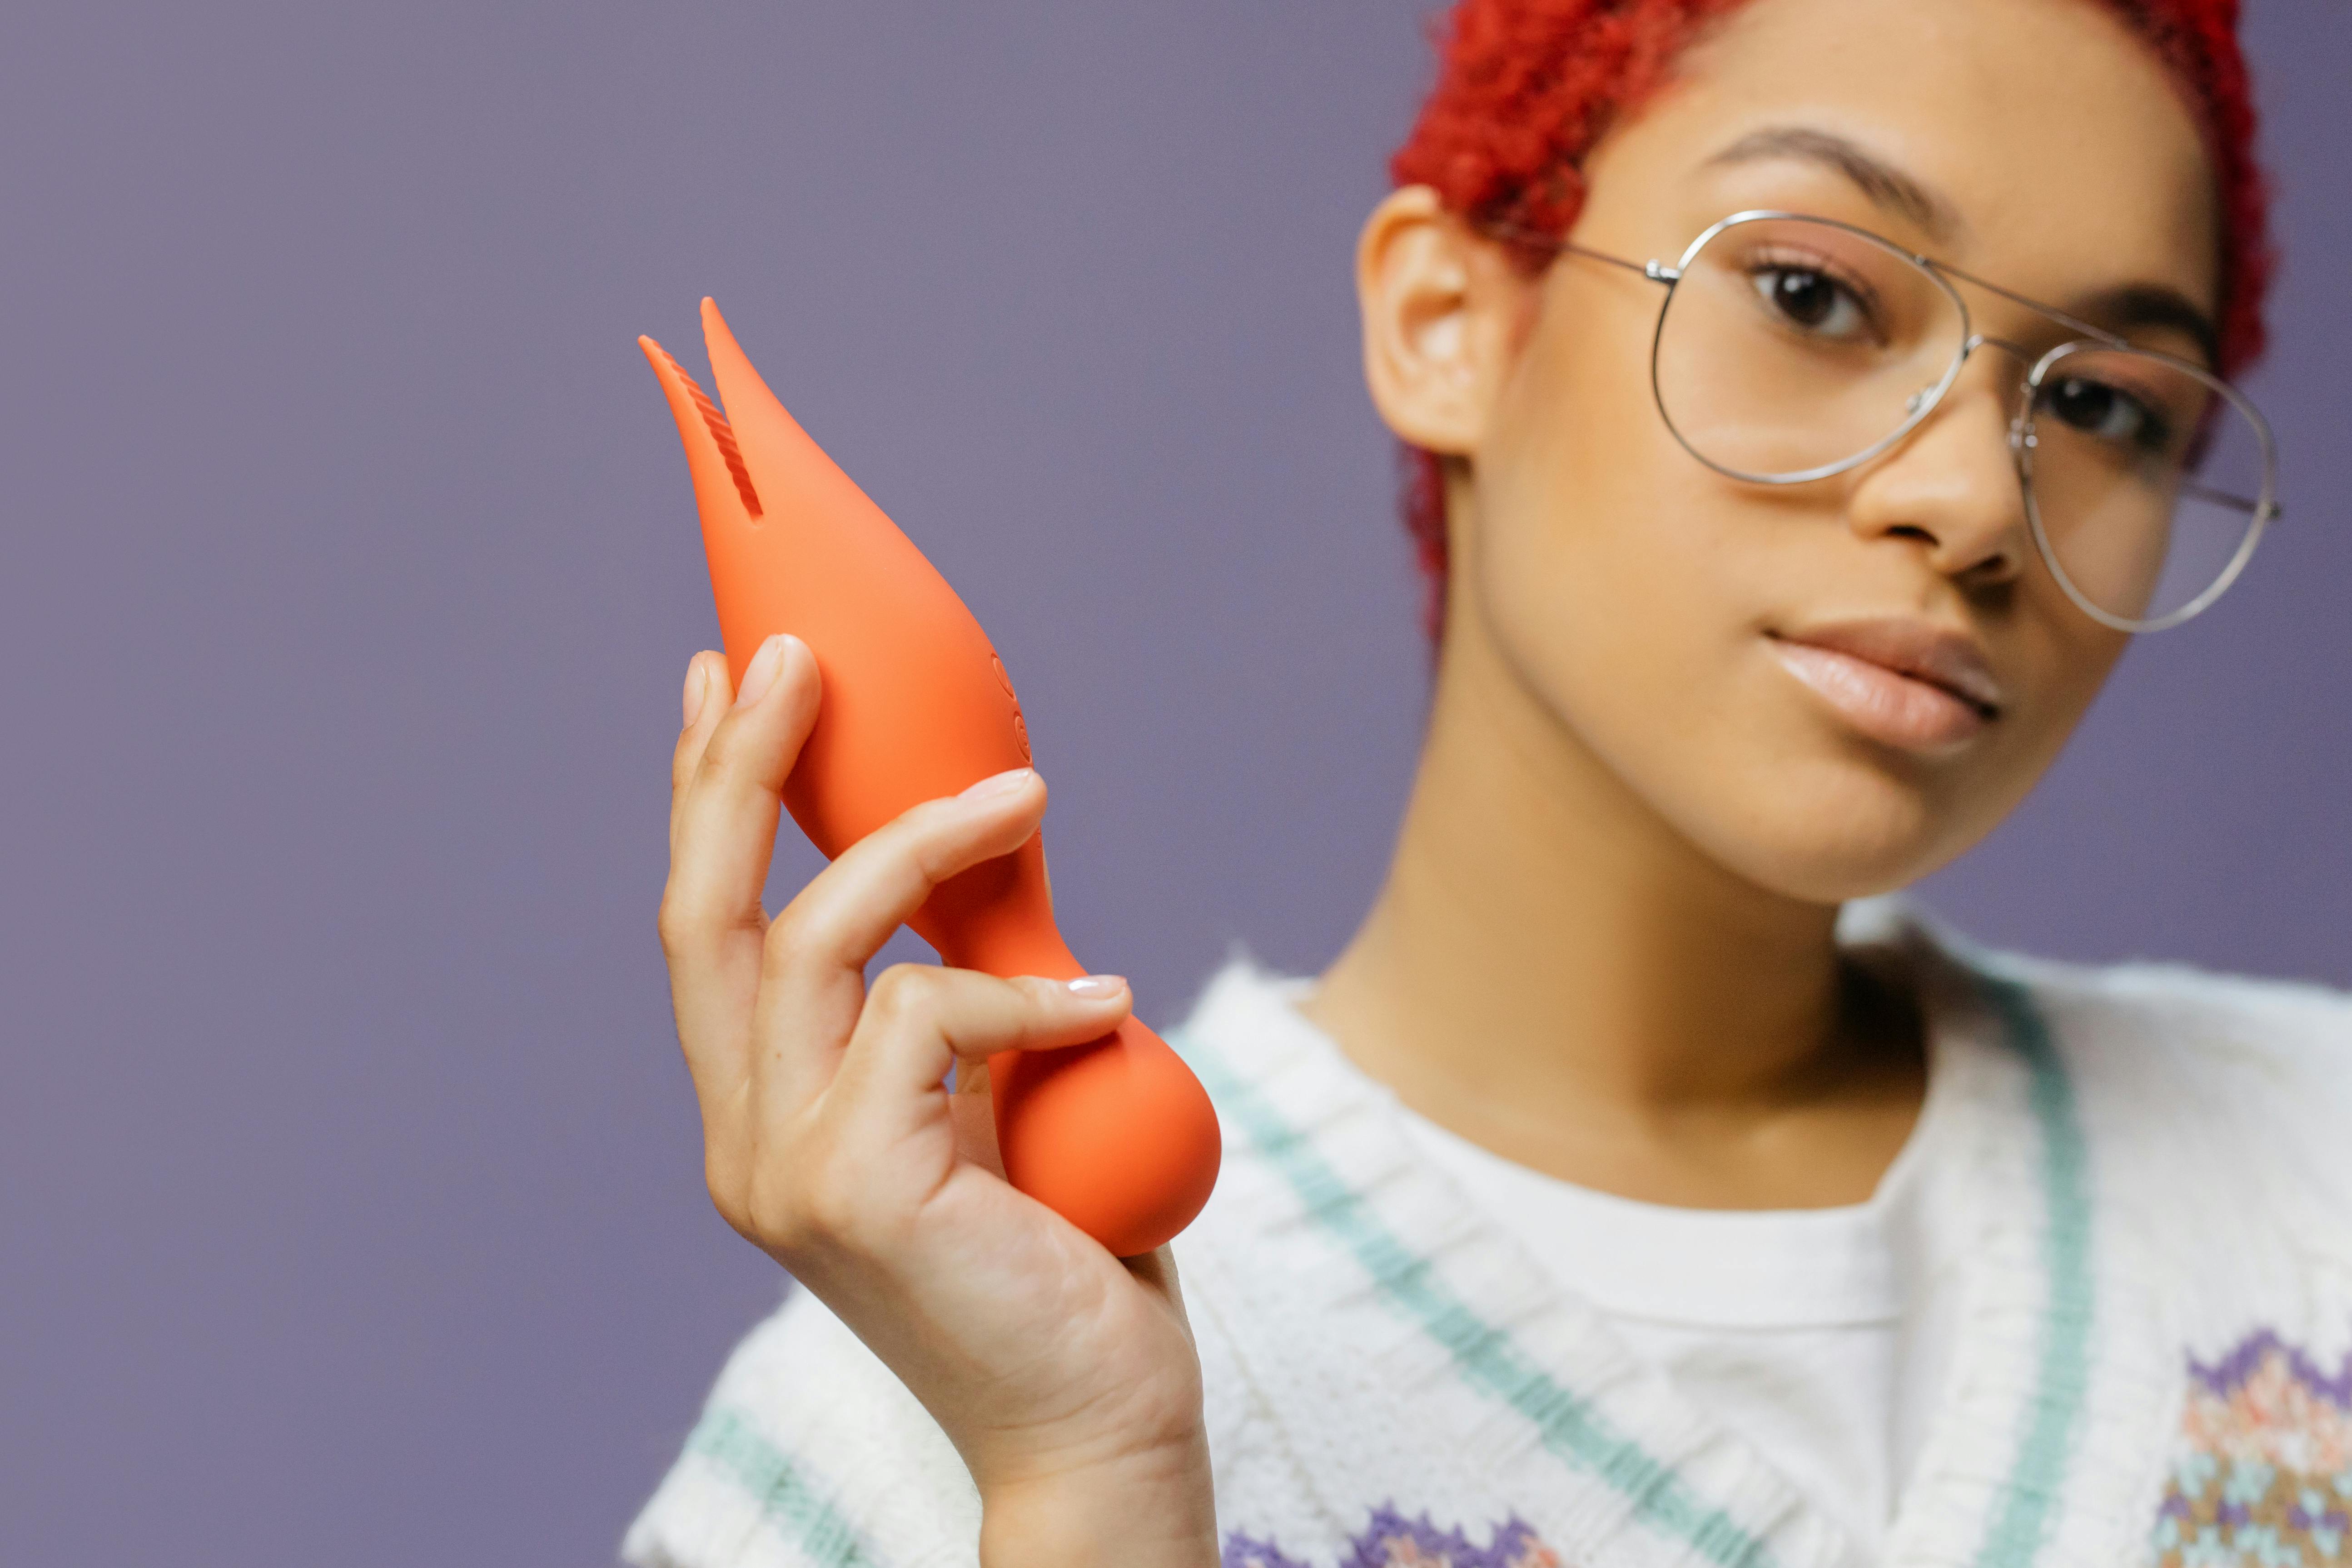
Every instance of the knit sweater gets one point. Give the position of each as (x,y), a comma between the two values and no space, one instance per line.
(2145,1193)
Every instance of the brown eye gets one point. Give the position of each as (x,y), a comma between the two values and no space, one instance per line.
(1810,300)
(2107,412)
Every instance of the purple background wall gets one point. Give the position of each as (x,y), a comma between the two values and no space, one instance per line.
(350,1206)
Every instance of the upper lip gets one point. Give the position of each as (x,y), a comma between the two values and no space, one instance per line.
(1942,657)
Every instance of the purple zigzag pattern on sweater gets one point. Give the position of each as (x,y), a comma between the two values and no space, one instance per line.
(1393,1541)
(2229,1374)
(2262,1468)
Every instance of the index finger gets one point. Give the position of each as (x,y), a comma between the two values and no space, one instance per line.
(708,696)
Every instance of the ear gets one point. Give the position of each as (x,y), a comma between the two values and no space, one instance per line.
(1439,304)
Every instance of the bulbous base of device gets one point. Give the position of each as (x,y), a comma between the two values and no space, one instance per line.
(1116,1136)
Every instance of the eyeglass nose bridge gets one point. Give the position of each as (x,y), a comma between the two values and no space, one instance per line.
(1916,406)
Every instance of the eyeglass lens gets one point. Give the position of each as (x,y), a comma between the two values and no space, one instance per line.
(1790,347)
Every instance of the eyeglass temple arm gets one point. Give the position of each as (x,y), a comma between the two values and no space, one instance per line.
(1654,270)
(2207,492)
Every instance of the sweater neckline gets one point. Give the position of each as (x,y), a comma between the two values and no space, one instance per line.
(1735,1275)
(2013,1207)
(1696,1267)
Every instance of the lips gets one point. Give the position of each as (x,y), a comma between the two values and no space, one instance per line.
(1907,683)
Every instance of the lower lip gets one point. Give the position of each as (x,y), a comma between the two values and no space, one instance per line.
(1888,707)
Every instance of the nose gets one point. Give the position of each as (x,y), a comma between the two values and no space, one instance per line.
(1952,484)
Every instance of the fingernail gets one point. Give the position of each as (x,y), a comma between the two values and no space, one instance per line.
(698,687)
(766,665)
(999,784)
(1098,987)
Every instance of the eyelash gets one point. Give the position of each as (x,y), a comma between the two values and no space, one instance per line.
(1865,298)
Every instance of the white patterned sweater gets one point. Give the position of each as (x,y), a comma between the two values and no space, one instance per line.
(2147,1207)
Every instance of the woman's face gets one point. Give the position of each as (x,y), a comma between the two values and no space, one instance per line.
(1723,647)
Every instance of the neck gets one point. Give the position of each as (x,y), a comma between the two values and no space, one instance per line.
(1554,972)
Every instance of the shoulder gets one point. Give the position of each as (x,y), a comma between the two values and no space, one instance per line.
(809,1452)
(2280,1050)
(2218,1091)
(2212,1111)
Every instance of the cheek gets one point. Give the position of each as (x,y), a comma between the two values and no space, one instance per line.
(1622,589)
(2066,658)
(1597,531)
(1613,571)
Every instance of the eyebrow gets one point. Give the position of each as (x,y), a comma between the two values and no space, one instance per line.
(2153,305)
(1888,187)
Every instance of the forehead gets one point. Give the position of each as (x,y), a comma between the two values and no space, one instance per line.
(2065,157)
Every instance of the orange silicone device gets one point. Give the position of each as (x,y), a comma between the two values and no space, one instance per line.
(1115,1135)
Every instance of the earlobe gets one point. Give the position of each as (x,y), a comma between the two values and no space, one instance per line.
(1415,283)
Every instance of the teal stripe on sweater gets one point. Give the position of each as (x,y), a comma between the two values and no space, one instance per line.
(1487,1356)
(789,1498)
(2029,1498)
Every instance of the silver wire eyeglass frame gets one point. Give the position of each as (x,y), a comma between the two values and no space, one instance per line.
(2263,509)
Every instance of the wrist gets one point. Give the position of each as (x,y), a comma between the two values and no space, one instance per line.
(1156,1510)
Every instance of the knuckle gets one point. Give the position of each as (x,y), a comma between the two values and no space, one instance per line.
(935,851)
(902,995)
(788,940)
(722,755)
(759,1196)
(922,835)
(1038,996)
(677,924)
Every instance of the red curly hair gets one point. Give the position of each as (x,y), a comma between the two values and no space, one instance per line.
(1524,88)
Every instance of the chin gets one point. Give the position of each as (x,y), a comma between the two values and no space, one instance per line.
(1830,831)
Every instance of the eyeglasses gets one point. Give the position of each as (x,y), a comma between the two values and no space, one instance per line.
(1792,348)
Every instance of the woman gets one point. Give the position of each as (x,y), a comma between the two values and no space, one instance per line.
(1812,398)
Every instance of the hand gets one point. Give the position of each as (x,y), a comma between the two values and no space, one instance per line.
(832,1142)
